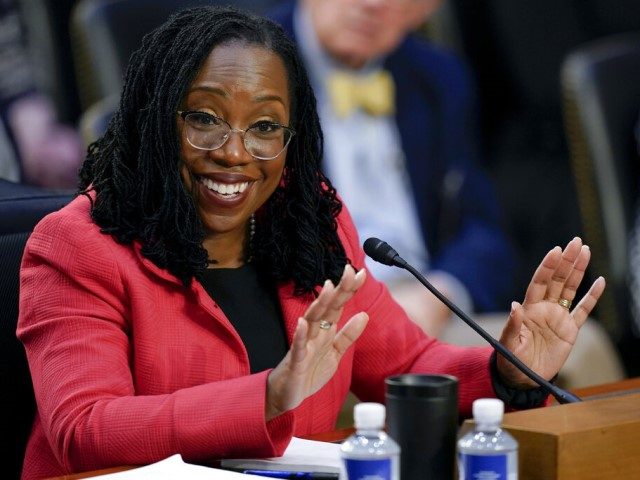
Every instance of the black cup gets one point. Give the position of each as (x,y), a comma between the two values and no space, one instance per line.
(422,416)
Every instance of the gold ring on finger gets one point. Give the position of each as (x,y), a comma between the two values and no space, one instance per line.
(563,302)
(324,325)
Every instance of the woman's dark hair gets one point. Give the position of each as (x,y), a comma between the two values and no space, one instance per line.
(134,168)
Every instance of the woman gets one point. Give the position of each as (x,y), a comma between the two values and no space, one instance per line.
(201,296)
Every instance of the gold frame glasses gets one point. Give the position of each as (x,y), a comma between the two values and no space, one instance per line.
(264,140)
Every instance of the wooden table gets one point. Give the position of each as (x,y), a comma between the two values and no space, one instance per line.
(631,385)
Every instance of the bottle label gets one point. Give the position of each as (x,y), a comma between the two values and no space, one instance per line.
(483,467)
(368,469)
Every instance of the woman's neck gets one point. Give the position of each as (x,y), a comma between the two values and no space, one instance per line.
(225,250)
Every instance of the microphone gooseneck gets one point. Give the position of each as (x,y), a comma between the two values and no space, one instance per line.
(382,252)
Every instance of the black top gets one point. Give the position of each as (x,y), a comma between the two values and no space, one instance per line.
(251,305)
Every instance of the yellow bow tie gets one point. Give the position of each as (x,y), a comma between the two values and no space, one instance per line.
(374,93)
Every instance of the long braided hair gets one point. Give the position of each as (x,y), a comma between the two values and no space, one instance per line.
(134,168)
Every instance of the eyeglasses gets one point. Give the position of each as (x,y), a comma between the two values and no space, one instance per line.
(263,140)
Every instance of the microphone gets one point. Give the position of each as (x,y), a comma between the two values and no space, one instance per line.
(382,252)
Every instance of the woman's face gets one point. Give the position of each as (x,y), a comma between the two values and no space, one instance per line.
(242,84)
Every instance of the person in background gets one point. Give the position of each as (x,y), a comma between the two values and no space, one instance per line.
(34,147)
(217,301)
(398,117)
(634,256)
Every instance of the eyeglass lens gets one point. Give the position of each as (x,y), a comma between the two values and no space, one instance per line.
(264,141)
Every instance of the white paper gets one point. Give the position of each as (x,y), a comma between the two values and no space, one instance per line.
(173,468)
(300,455)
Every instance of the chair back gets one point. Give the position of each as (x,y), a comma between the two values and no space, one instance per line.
(104,34)
(601,94)
(20,210)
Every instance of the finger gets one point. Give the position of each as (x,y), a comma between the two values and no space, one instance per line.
(330,295)
(511,330)
(350,332)
(349,284)
(537,289)
(319,306)
(564,269)
(321,312)
(577,274)
(328,306)
(299,342)
(583,309)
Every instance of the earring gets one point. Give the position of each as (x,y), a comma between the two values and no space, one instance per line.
(252,233)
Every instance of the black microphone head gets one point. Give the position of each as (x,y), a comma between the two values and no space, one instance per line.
(381,251)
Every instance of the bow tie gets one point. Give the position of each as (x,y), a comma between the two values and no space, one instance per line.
(373,93)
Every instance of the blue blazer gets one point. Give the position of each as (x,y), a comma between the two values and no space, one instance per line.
(459,213)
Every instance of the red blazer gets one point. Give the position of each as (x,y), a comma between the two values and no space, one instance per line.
(129,366)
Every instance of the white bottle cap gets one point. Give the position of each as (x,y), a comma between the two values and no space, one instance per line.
(488,410)
(369,416)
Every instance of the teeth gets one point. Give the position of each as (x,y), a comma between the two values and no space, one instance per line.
(225,188)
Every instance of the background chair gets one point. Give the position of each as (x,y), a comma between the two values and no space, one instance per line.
(95,120)
(104,34)
(601,90)
(20,209)
(516,49)
(46,24)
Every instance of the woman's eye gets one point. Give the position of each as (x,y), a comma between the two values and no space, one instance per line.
(266,127)
(202,118)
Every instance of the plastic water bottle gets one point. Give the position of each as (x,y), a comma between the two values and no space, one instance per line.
(488,453)
(370,453)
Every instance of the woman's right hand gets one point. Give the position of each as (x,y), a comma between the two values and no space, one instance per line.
(315,352)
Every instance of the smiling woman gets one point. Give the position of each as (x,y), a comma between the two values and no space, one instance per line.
(205,293)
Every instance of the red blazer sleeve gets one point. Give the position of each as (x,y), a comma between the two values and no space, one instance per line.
(75,325)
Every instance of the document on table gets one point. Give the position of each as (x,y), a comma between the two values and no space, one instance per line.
(172,468)
(301,456)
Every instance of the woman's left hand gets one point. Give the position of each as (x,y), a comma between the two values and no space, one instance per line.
(317,347)
(541,331)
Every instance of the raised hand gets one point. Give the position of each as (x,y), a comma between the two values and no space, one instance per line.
(317,345)
(543,329)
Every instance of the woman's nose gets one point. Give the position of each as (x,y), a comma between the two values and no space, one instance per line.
(232,152)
